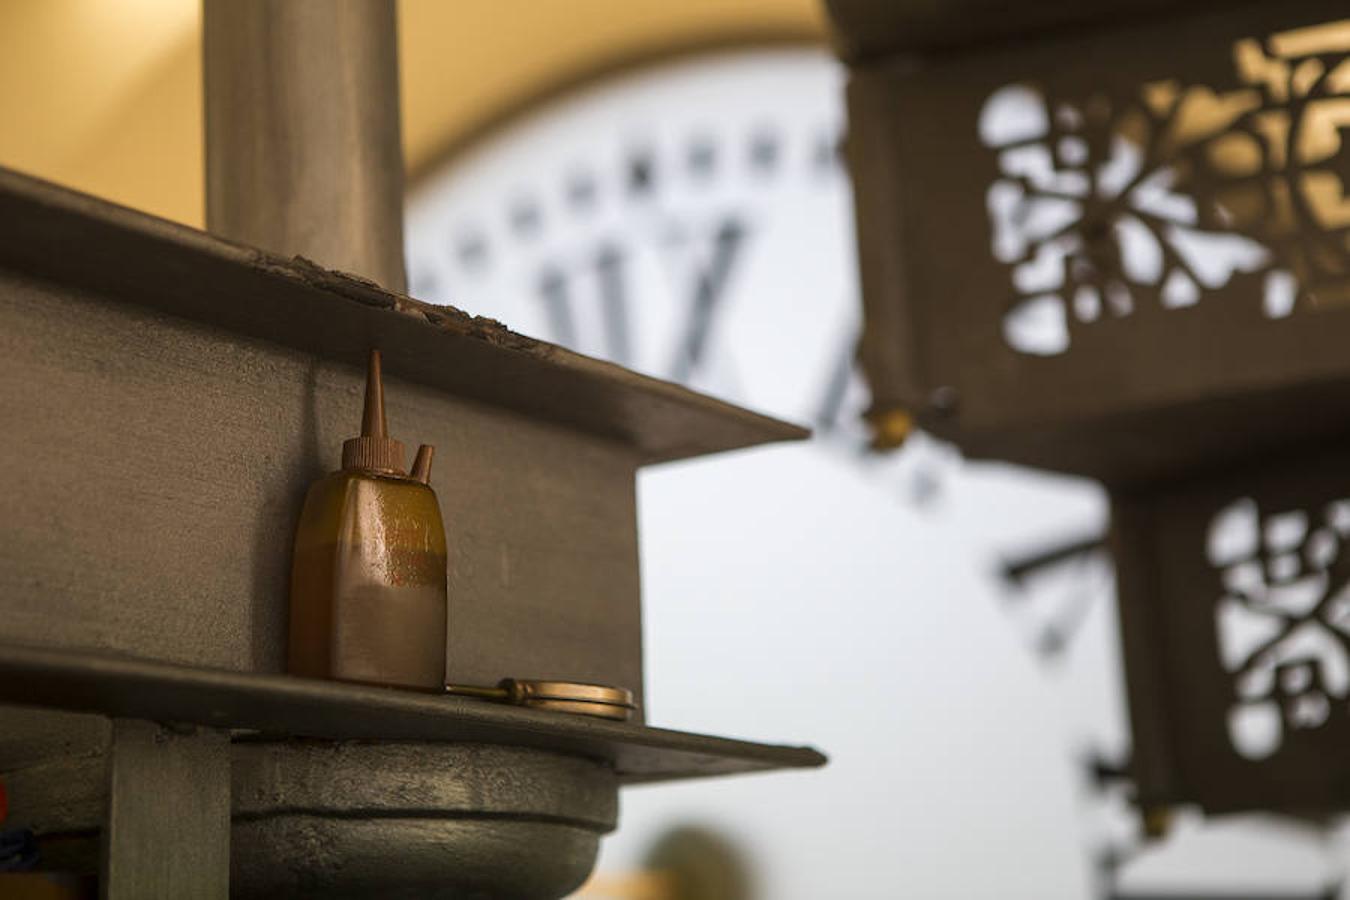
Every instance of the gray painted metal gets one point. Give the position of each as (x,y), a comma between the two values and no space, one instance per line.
(174,460)
(184,392)
(303,155)
(168,825)
(54,766)
(359,819)
(413,859)
(282,705)
(127,257)
(181,393)
(417,821)
(350,819)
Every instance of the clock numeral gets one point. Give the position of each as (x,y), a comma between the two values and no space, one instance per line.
(709,288)
(843,369)
(558,307)
(609,265)
(555,291)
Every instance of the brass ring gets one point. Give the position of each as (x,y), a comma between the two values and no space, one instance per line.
(527,689)
(572,697)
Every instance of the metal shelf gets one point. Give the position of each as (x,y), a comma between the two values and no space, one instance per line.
(80,241)
(283,706)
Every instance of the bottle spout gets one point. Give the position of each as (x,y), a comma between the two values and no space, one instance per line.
(374,450)
(421,469)
(373,423)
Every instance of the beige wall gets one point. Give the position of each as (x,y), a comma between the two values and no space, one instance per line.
(105,95)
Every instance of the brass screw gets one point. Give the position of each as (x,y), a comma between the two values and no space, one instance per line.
(890,428)
(1157,822)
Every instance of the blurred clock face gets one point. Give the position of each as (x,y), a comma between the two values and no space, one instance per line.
(693,221)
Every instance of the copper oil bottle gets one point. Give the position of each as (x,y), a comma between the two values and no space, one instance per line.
(368,581)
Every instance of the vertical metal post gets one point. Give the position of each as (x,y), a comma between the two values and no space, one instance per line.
(303,148)
(168,829)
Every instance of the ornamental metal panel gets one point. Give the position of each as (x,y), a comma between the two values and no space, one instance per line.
(1119,252)
(1235,606)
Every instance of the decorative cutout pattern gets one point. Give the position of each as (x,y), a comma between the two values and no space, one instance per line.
(1284,618)
(1109,207)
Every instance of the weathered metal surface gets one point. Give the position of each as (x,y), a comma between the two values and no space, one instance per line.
(1087,258)
(54,768)
(174,463)
(179,430)
(32,736)
(392,778)
(283,705)
(61,794)
(400,820)
(364,819)
(182,391)
(168,816)
(437,860)
(124,256)
(303,156)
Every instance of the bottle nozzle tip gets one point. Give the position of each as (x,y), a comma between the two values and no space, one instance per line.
(373,422)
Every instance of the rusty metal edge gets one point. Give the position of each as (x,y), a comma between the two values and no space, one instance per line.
(129,256)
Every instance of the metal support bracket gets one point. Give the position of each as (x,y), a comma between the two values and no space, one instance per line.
(168,833)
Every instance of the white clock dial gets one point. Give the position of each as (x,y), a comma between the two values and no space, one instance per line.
(693,220)
(661,206)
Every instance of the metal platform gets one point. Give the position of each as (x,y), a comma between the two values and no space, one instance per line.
(181,394)
(120,254)
(283,706)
